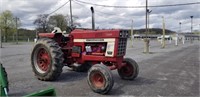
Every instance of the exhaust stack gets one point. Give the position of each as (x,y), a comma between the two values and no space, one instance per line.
(93,21)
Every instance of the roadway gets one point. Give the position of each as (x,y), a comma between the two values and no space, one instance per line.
(173,71)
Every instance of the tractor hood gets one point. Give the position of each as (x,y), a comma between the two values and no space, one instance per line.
(84,34)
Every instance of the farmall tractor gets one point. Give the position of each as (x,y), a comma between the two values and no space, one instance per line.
(100,51)
(95,51)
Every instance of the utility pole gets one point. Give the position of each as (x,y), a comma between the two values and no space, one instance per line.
(163,38)
(16,21)
(180,27)
(6,29)
(191,28)
(180,31)
(0,35)
(199,27)
(0,39)
(191,23)
(36,36)
(146,49)
(71,13)
(199,33)
(148,18)
(132,33)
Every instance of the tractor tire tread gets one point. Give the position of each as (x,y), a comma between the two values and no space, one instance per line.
(108,76)
(57,59)
(135,67)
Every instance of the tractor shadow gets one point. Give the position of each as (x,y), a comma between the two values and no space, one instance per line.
(70,76)
(120,85)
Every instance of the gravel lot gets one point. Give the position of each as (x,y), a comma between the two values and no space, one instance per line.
(172,71)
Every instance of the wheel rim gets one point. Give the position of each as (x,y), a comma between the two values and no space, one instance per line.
(98,80)
(127,70)
(43,60)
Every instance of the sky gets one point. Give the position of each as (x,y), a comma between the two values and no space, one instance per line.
(109,17)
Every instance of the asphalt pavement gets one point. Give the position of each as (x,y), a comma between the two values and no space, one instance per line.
(172,71)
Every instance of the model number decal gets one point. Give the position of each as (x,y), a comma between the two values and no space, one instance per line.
(94,39)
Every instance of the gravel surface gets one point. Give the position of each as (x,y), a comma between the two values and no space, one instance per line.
(172,71)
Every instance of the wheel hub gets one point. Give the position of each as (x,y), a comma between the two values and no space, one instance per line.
(127,69)
(43,60)
(98,80)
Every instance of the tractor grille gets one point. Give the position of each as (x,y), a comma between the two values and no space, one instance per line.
(122,46)
(122,42)
(123,34)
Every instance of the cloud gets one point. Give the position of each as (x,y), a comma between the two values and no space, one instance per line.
(27,11)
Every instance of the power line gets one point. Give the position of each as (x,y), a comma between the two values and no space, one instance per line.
(184,27)
(82,5)
(99,13)
(104,13)
(59,8)
(167,5)
(95,10)
(182,4)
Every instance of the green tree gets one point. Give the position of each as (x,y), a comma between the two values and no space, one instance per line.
(7,24)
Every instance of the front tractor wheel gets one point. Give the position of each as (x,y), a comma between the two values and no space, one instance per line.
(47,59)
(130,70)
(100,79)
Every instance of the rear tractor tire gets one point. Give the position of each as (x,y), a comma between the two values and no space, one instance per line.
(47,59)
(100,79)
(130,70)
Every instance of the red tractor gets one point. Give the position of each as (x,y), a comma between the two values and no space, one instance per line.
(95,51)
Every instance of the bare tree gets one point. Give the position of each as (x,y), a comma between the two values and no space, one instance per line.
(58,20)
(75,23)
(63,22)
(42,22)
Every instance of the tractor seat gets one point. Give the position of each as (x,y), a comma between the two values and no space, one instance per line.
(65,36)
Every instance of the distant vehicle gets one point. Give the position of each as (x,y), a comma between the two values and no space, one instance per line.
(167,37)
(35,40)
